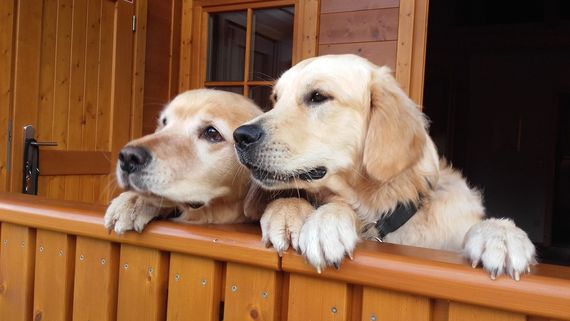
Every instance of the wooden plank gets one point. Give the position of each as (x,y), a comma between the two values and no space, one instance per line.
(359,26)
(194,288)
(7,22)
(141,8)
(308,24)
(419,51)
(77,98)
(382,53)
(95,301)
(333,6)
(185,46)
(27,43)
(385,305)
(174,54)
(313,298)
(405,44)
(58,162)
(251,293)
(53,283)
(16,272)
(439,310)
(465,312)
(143,283)
(61,88)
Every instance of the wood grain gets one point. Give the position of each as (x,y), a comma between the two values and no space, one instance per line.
(57,162)
(382,53)
(194,288)
(359,26)
(16,272)
(332,6)
(143,282)
(314,298)
(53,283)
(7,21)
(251,293)
(95,258)
(394,306)
(465,312)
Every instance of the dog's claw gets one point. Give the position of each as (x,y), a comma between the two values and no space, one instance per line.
(337,265)
(494,275)
(517,276)
(319,270)
(349,254)
(528,269)
(474,264)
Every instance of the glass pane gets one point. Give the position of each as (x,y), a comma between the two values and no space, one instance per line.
(261,94)
(226,46)
(272,42)
(233,89)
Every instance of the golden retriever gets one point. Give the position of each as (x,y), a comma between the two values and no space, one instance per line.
(188,164)
(342,129)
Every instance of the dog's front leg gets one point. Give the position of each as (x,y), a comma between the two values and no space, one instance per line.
(282,221)
(329,234)
(500,246)
(129,211)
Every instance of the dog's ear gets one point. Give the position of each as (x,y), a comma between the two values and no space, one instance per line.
(256,201)
(396,128)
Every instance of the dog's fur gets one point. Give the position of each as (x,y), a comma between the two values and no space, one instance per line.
(187,169)
(351,117)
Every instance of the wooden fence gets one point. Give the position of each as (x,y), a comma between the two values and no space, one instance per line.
(57,262)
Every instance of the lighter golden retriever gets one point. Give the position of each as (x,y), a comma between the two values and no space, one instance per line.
(188,165)
(344,130)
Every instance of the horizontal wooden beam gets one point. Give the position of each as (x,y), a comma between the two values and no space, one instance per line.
(64,162)
(239,243)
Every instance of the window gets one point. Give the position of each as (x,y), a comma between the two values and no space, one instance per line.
(249,49)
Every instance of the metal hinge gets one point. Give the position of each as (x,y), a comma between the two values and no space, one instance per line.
(9,146)
(134,23)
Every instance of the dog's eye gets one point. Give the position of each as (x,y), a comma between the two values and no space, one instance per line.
(317,97)
(212,135)
(163,121)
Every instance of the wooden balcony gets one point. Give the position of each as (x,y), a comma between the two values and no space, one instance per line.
(57,262)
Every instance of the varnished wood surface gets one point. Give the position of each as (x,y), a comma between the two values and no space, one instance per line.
(427,273)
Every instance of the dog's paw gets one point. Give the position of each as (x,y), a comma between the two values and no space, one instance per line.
(127,212)
(282,221)
(328,235)
(500,246)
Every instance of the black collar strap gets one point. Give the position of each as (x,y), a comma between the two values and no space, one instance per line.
(389,223)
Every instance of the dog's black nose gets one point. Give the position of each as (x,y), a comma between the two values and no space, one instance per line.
(247,135)
(133,158)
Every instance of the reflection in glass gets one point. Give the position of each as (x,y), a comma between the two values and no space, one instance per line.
(261,96)
(272,42)
(226,46)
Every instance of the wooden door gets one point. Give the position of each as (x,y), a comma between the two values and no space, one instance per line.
(72,80)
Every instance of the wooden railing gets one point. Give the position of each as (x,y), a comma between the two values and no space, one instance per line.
(57,262)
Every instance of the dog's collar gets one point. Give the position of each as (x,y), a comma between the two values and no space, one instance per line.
(391,221)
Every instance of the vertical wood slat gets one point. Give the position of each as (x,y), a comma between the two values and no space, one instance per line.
(185,46)
(317,299)
(143,280)
(141,7)
(26,79)
(16,272)
(6,62)
(394,306)
(307,22)
(194,288)
(53,283)
(251,293)
(96,280)
(466,312)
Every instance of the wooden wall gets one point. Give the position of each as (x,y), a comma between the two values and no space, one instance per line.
(162,58)
(368,28)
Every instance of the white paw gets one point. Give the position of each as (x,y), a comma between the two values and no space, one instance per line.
(500,246)
(127,212)
(328,235)
(282,221)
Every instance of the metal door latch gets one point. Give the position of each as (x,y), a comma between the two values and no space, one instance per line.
(31,160)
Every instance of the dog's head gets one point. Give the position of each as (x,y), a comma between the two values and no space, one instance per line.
(190,157)
(333,115)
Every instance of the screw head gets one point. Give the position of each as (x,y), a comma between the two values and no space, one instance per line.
(41,249)
(81,257)
(150,269)
(204,282)
(126,266)
(264,294)
(333,310)
(22,244)
(103,261)
(234,288)
(60,252)
(177,277)
(373,317)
